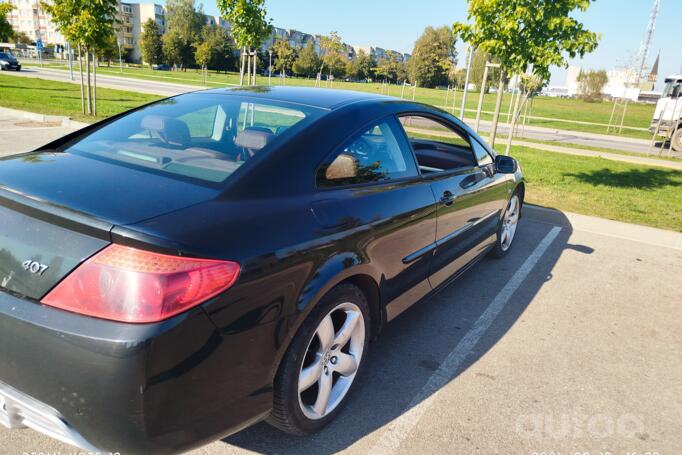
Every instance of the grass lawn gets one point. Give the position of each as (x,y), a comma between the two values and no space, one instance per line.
(63,98)
(591,186)
(607,189)
(638,115)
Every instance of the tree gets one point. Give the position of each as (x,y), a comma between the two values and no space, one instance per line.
(457,76)
(6,31)
(151,44)
(591,84)
(527,35)
(365,65)
(391,69)
(332,54)
(308,62)
(173,47)
(285,56)
(108,49)
(478,61)
(21,38)
(221,46)
(185,21)
(433,56)
(88,24)
(249,26)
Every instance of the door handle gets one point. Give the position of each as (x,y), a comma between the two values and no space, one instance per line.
(447,198)
(472,180)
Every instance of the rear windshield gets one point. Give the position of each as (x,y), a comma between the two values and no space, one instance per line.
(201,136)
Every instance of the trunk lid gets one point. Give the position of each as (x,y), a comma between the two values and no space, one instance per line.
(58,209)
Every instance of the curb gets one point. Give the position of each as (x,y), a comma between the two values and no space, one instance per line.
(63,121)
(602,226)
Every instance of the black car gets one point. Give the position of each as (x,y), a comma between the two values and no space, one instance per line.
(9,62)
(176,273)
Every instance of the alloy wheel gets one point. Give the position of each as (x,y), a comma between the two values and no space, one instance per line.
(509,223)
(331,361)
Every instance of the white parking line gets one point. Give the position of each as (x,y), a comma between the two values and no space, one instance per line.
(401,427)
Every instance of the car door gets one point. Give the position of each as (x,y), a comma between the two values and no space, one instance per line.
(371,184)
(461,187)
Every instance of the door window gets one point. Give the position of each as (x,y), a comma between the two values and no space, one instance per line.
(437,146)
(378,153)
(482,155)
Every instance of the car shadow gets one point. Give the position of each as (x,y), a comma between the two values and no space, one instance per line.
(412,347)
(635,178)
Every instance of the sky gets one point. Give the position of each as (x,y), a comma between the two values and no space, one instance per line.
(396,24)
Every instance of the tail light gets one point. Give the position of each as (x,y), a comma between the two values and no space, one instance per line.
(130,285)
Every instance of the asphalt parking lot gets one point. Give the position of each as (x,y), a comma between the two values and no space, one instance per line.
(570,344)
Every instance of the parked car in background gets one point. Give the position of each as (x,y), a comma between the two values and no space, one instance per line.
(9,62)
(176,273)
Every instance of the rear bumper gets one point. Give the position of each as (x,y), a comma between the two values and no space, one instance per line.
(153,388)
(10,66)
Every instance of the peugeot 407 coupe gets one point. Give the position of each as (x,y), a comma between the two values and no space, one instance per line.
(178,272)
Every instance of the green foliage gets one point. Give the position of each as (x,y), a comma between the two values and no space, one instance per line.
(185,22)
(332,54)
(478,61)
(214,50)
(248,21)
(85,22)
(6,31)
(285,56)
(21,38)
(392,69)
(525,34)
(433,57)
(308,62)
(591,84)
(365,65)
(173,47)
(151,44)
(108,48)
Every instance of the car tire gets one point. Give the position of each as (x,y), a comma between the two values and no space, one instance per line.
(506,230)
(676,140)
(296,404)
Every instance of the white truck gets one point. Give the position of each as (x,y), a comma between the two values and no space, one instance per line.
(667,121)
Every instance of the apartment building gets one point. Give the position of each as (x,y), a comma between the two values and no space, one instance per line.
(141,13)
(28,17)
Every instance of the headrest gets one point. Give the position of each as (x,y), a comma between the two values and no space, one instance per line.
(254,138)
(343,167)
(171,130)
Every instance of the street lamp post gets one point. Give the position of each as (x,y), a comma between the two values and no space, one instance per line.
(270,68)
(120,59)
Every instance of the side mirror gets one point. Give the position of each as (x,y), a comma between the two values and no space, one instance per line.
(506,164)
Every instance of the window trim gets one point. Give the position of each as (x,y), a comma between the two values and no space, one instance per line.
(447,124)
(402,142)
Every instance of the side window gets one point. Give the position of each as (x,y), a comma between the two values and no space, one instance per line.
(482,155)
(437,147)
(376,154)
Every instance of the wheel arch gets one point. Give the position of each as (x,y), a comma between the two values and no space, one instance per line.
(342,268)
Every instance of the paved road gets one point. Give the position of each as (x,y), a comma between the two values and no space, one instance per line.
(536,133)
(571,343)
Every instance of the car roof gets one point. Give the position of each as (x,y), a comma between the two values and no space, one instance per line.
(317,97)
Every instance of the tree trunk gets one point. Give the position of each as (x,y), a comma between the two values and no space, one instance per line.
(241,71)
(94,88)
(255,64)
(512,126)
(498,107)
(80,64)
(89,88)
